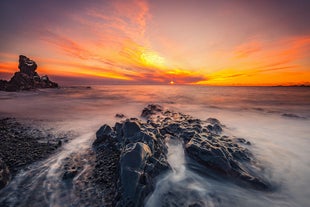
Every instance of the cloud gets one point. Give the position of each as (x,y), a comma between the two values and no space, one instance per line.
(248,49)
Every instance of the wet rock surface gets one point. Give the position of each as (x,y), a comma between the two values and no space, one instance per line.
(131,154)
(22,145)
(27,78)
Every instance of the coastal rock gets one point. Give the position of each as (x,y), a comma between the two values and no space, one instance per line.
(130,155)
(3,85)
(27,78)
(151,109)
(128,158)
(27,66)
(132,176)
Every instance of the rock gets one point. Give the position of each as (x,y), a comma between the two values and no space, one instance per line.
(130,128)
(120,116)
(101,135)
(132,177)
(27,78)
(226,158)
(27,66)
(4,174)
(20,81)
(151,109)
(213,121)
(3,85)
(130,155)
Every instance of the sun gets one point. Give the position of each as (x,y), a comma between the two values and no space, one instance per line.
(152,58)
(171,82)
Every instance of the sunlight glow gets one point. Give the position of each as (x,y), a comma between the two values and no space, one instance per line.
(152,59)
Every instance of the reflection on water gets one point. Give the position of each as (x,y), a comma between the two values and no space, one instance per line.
(255,113)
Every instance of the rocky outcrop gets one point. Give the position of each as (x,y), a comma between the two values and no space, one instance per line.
(27,78)
(134,156)
(133,152)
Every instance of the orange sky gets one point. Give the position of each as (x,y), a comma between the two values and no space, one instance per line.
(155,42)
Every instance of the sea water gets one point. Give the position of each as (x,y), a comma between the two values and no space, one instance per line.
(275,120)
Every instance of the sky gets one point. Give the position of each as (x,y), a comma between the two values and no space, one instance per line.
(208,42)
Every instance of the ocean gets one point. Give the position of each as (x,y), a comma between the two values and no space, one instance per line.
(275,120)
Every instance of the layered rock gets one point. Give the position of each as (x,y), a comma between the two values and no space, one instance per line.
(132,153)
(27,78)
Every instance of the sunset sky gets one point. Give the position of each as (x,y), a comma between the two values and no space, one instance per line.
(211,42)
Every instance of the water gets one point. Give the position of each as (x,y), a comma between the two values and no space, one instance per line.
(274,119)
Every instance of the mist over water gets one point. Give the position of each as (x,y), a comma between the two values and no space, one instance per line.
(275,120)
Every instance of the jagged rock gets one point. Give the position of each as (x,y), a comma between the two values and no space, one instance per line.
(130,128)
(137,152)
(27,66)
(132,176)
(4,174)
(139,155)
(151,109)
(27,78)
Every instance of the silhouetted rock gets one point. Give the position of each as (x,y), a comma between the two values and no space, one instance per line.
(27,78)
(27,66)
(3,85)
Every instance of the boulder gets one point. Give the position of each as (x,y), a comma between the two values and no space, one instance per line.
(130,128)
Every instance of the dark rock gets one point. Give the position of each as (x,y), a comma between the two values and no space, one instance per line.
(217,129)
(3,85)
(132,163)
(120,116)
(130,128)
(4,174)
(27,66)
(213,121)
(131,154)
(295,116)
(101,135)
(225,158)
(150,110)
(27,78)
(243,141)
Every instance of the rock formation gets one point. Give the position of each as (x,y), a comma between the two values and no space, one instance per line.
(131,154)
(27,78)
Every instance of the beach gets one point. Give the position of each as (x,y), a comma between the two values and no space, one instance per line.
(274,120)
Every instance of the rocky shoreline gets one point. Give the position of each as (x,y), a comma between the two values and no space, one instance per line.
(132,153)
(125,160)
(22,145)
